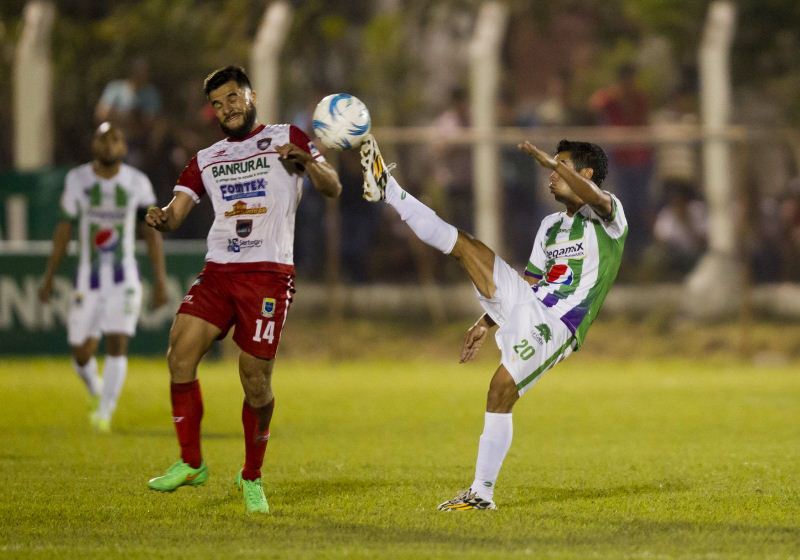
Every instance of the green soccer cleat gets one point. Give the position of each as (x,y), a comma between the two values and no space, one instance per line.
(374,169)
(466,501)
(179,474)
(101,425)
(254,499)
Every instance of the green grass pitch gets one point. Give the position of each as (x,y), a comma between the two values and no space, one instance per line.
(610,460)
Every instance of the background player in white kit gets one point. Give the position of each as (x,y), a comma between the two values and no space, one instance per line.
(544,317)
(106,199)
(254,179)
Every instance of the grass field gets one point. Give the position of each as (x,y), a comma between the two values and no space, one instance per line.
(610,460)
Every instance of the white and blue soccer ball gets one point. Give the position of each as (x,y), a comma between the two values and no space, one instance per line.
(341,121)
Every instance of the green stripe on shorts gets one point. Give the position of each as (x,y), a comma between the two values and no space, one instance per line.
(545,366)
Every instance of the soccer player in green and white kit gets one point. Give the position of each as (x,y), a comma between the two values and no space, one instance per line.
(543,316)
(105,200)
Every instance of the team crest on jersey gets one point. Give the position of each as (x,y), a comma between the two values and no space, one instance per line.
(244,227)
(241,208)
(106,239)
(542,334)
(264,143)
(268,307)
(560,274)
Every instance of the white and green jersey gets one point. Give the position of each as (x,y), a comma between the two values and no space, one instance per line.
(576,259)
(105,211)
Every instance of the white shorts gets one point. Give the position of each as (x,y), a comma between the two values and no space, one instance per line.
(531,339)
(112,310)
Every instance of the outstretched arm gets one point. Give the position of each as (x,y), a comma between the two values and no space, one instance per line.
(172,215)
(61,237)
(579,181)
(323,176)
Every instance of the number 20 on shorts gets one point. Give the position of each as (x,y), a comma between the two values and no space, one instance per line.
(264,331)
(524,349)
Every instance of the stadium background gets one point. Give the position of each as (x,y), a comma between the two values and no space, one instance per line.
(371,298)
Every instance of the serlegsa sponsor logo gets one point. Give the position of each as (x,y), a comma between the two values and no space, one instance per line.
(572,250)
(241,208)
(237,245)
(246,189)
(240,167)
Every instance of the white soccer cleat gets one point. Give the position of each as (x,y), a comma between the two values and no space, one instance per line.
(374,169)
(465,501)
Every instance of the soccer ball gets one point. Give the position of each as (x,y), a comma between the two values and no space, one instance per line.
(341,121)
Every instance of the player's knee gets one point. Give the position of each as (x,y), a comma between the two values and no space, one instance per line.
(502,395)
(182,366)
(81,355)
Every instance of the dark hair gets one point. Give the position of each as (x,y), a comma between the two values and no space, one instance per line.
(586,154)
(222,76)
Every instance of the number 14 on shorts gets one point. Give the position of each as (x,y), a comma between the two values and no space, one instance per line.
(264,331)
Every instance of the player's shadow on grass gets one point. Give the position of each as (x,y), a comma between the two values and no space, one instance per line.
(538,494)
(299,491)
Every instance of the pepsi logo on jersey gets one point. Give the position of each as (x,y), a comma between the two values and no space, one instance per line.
(106,239)
(560,274)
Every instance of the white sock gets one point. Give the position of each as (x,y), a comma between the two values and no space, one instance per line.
(423,221)
(88,372)
(492,448)
(114,371)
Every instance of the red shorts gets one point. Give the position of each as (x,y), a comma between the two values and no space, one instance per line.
(252,297)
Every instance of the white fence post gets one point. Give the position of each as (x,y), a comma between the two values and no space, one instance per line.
(484,54)
(715,282)
(33,89)
(265,58)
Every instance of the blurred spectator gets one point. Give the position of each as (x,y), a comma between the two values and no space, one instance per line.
(190,131)
(555,108)
(453,162)
(360,221)
(630,165)
(309,237)
(133,104)
(679,233)
(790,232)
(678,160)
(522,187)
(776,252)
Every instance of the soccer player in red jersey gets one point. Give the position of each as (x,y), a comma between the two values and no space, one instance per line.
(254,179)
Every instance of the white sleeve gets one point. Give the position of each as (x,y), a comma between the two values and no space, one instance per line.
(147,196)
(615,225)
(70,204)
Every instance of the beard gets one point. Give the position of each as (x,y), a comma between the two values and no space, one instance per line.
(244,129)
(109,161)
